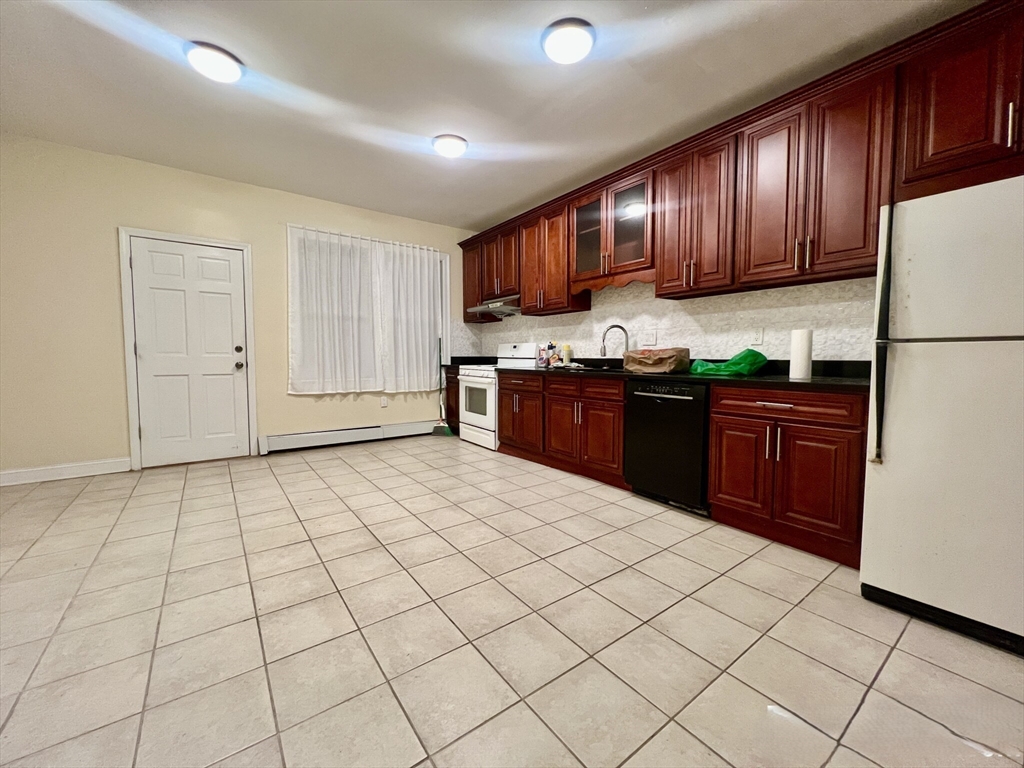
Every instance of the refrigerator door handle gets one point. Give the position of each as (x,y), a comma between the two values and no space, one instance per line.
(882,329)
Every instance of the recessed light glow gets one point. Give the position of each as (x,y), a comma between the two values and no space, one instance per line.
(635,209)
(214,62)
(450,145)
(568,40)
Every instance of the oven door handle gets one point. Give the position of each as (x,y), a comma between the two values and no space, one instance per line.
(478,380)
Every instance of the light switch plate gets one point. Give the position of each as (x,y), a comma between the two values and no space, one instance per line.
(384,402)
(648,338)
(758,337)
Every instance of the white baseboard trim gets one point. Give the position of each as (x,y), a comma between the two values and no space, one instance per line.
(64,471)
(270,443)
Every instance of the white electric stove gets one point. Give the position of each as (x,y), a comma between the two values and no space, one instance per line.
(478,393)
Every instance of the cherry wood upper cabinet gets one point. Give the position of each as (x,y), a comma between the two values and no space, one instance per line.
(501,265)
(849,171)
(544,266)
(472,282)
(610,234)
(695,209)
(770,218)
(960,105)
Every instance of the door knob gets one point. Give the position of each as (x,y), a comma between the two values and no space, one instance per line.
(239,364)
(238,348)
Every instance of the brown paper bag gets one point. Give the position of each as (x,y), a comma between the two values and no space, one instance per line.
(670,360)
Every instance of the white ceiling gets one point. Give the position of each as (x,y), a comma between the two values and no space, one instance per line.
(342,97)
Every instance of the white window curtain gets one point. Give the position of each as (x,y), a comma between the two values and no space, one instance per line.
(364,315)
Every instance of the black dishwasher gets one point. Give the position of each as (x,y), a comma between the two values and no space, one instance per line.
(666,442)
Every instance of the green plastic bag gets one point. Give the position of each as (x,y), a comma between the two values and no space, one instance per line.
(747,362)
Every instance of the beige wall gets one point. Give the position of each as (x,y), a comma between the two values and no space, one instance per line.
(62,377)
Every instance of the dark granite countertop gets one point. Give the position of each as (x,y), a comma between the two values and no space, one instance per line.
(835,375)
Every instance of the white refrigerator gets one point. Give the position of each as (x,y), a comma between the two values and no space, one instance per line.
(944,493)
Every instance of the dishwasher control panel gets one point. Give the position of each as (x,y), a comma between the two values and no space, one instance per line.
(693,391)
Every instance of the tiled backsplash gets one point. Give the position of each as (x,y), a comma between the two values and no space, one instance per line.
(840,313)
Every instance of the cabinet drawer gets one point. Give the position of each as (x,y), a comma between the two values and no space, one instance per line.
(521,382)
(603,389)
(823,407)
(562,385)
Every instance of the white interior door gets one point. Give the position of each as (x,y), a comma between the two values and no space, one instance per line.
(190,331)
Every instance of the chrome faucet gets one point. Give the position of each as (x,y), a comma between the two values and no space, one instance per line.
(605,336)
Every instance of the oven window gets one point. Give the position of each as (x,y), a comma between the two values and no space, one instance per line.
(476,400)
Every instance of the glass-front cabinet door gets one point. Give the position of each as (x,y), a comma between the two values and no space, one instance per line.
(588,240)
(629,219)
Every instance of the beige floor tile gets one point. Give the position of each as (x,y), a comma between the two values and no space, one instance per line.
(202,661)
(963,706)
(111,745)
(589,620)
(16,665)
(741,541)
(156,544)
(45,565)
(86,610)
(846,579)
(274,561)
(361,567)
(529,653)
(624,546)
(378,599)
(856,613)
(317,679)
(804,563)
(451,695)
(205,613)
(660,669)
(445,517)
(746,728)
(751,606)
(482,608)
(53,713)
(25,595)
(657,532)
(61,542)
(120,572)
(447,575)
(367,730)
(847,758)
(582,527)
(820,695)
(191,555)
(545,540)
(264,520)
(597,715)
(289,588)
(616,515)
(500,556)
(330,524)
(207,725)
(637,593)
(203,579)
(420,549)
(19,627)
(708,633)
(976,661)
(205,516)
(850,652)
(539,584)
(347,543)
(889,733)
(673,747)
(271,538)
(782,583)
(469,535)
(550,511)
(382,513)
(514,521)
(425,503)
(83,649)
(586,564)
(708,553)
(304,625)
(399,530)
(676,572)
(516,738)
(266,754)
(209,532)
(412,638)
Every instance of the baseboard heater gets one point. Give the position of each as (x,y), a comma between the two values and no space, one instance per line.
(271,443)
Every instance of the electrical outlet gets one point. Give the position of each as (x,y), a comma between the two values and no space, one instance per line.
(384,402)
(758,338)
(648,338)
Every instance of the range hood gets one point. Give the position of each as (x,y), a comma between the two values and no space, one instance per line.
(499,307)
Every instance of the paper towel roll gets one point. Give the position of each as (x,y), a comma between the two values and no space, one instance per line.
(800,355)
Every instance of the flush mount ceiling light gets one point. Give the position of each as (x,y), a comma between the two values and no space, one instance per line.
(568,40)
(450,145)
(214,62)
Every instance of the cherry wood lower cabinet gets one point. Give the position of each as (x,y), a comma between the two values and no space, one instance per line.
(794,474)
(521,419)
(451,398)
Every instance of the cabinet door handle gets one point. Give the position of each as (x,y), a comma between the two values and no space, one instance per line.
(693,271)
(807,253)
(684,273)
(778,443)
(767,439)
(773,405)
(542,298)
(796,254)
(1010,125)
